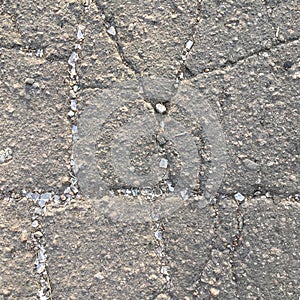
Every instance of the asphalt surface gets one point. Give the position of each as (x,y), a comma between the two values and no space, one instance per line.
(241,60)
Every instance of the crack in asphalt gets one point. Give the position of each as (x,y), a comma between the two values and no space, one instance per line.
(184,72)
(38,210)
(211,286)
(112,33)
(214,218)
(231,63)
(236,243)
(162,254)
(48,198)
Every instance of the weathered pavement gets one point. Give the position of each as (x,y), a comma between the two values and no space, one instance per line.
(241,59)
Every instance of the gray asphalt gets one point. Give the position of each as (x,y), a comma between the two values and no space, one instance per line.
(240,59)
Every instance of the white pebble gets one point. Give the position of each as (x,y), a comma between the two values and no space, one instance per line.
(111,30)
(163,163)
(35,224)
(73,71)
(73,105)
(73,58)
(189,45)
(171,188)
(164,270)
(77,46)
(158,235)
(160,108)
(74,129)
(239,197)
(39,52)
(80,32)
(71,114)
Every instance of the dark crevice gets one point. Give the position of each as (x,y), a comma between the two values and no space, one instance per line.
(108,22)
(188,73)
(184,72)
(232,63)
(214,223)
(163,256)
(236,240)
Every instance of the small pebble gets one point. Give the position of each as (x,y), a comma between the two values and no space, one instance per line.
(184,194)
(36,85)
(214,292)
(239,197)
(35,224)
(5,155)
(42,203)
(160,251)
(73,105)
(288,65)
(79,34)
(158,235)
(163,297)
(41,255)
(46,196)
(99,276)
(63,198)
(250,164)
(39,52)
(163,163)
(35,197)
(189,45)
(164,270)
(38,211)
(73,71)
(74,189)
(161,139)
(74,129)
(67,190)
(71,114)
(160,108)
(29,81)
(55,198)
(5,292)
(38,234)
(24,236)
(111,30)
(134,192)
(77,46)
(40,268)
(73,58)
(171,188)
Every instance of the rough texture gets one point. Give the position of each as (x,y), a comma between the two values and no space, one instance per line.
(143,34)
(33,122)
(100,63)
(284,16)
(241,57)
(103,260)
(47,25)
(227,32)
(17,280)
(256,100)
(266,264)
(188,235)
